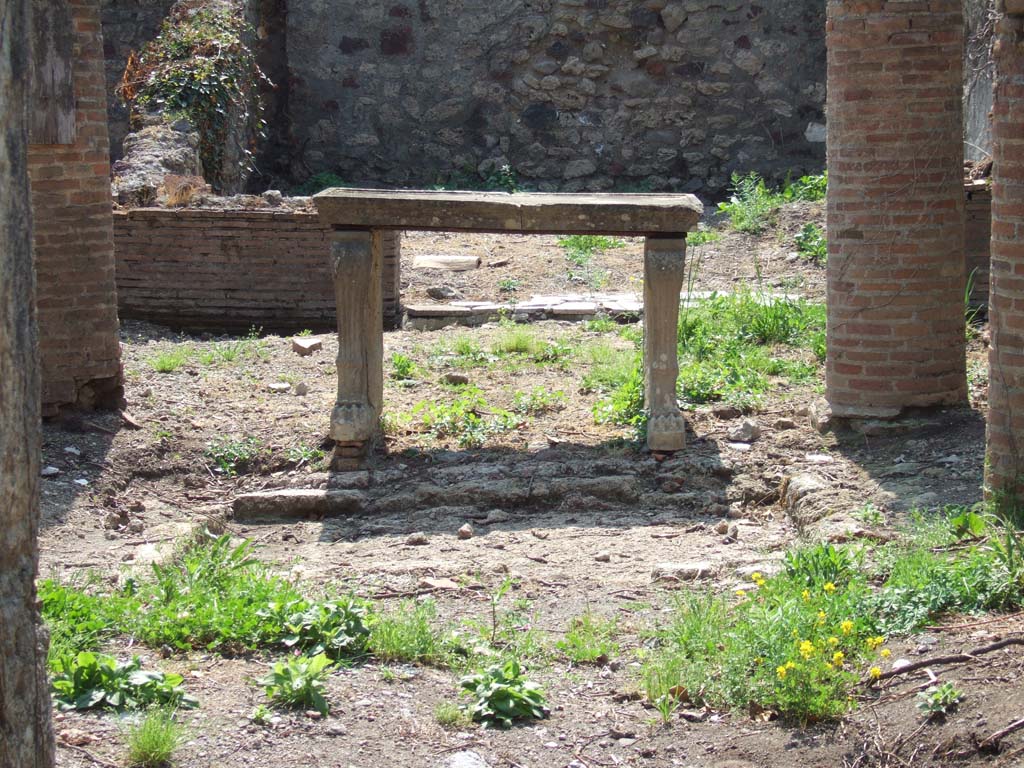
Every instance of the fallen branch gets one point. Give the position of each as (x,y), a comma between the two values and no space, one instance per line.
(993,740)
(953,658)
(88,754)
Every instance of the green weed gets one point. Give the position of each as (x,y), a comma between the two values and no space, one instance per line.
(579,249)
(299,682)
(753,205)
(403,368)
(811,244)
(509,285)
(538,400)
(811,188)
(502,695)
(336,628)
(600,325)
(153,741)
(97,681)
(467,418)
(702,236)
(939,700)
(233,455)
(305,455)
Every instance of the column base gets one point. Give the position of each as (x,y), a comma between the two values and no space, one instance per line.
(353,422)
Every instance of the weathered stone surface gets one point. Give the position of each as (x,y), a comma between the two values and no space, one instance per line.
(293,502)
(690,571)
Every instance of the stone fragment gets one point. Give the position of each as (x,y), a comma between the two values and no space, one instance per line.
(301,389)
(279,387)
(821,416)
(417,539)
(722,527)
(784,424)
(726,412)
(306,345)
(445,293)
(466,531)
(455,379)
(451,262)
(497,516)
(682,571)
(747,432)
(604,556)
(272,197)
(49,472)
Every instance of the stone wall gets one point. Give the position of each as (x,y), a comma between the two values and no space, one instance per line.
(73,240)
(229,270)
(572,94)
(127,26)
(895,206)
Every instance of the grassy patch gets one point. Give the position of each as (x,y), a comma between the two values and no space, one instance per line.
(797,643)
(153,740)
(232,456)
(753,205)
(538,400)
(170,360)
(467,418)
(589,639)
(408,635)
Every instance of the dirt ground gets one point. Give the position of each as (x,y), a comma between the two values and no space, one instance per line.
(570,508)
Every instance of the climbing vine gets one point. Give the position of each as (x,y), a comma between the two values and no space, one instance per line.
(200,67)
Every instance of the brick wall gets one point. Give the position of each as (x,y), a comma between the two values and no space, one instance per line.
(1005,465)
(230,270)
(74,249)
(977,233)
(895,206)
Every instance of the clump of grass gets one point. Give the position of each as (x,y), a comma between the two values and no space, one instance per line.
(600,325)
(170,360)
(153,741)
(590,639)
(408,635)
(448,714)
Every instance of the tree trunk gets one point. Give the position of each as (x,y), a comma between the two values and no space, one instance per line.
(26,738)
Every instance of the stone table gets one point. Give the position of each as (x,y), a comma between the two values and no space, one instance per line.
(359,217)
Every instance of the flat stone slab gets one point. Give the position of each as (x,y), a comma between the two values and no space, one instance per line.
(296,502)
(533,213)
(437,310)
(575,308)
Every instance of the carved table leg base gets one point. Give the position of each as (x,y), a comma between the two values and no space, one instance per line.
(666,431)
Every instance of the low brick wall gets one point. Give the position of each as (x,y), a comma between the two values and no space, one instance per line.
(217,270)
(977,237)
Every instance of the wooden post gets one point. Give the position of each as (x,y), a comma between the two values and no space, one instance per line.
(664,257)
(355,420)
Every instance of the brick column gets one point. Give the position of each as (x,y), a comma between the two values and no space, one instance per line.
(1005,465)
(74,241)
(895,206)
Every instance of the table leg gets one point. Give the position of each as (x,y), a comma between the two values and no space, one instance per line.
(664,258)
(355,420)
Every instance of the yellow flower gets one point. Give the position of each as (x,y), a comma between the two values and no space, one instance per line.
(821,617)
(806,649)
(781,672)
(837,658)
(790,665)
(833,641)
(876,672)
(806,594)
(829,587)
(846,626)
(828,665)
(885,653)
(756,576)
(741,593)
